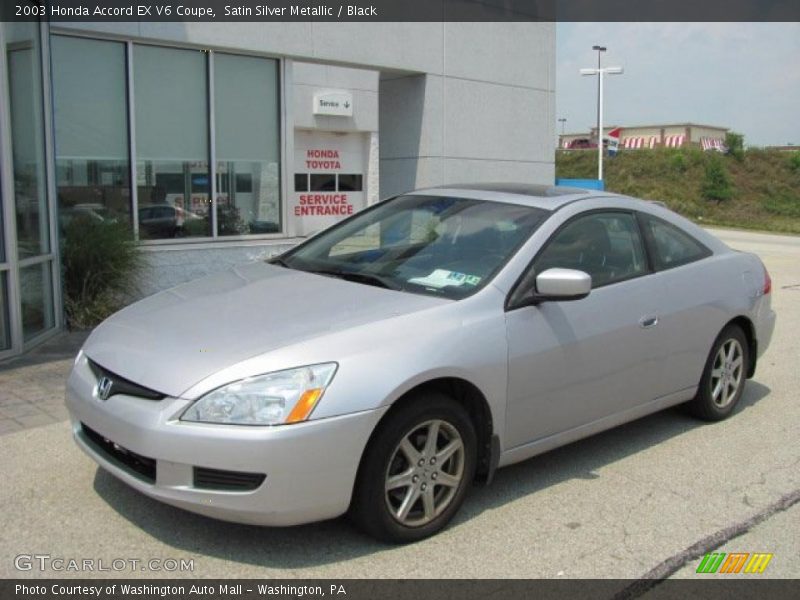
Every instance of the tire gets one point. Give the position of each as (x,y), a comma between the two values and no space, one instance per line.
(724,376)
(428,491)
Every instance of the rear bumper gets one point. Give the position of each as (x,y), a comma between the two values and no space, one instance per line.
(310,467)
(765,326)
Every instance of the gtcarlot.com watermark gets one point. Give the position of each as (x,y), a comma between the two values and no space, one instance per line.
(64,564)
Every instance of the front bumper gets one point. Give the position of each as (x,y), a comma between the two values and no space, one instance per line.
(310,467)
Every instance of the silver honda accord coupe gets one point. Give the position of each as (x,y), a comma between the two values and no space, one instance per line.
(383,366)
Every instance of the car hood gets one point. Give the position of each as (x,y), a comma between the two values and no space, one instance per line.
(176,338)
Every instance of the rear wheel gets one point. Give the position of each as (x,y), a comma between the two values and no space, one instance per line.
(724,376)
(416,470)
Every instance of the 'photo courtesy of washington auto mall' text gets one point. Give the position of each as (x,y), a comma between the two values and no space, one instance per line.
(432,299)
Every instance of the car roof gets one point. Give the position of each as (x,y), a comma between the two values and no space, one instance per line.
(548,197)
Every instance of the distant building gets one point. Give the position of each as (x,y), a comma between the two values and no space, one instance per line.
(785,148)
(652,136)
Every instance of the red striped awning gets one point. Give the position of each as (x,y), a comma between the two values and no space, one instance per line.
(633,142)
(708,143)
(674,141)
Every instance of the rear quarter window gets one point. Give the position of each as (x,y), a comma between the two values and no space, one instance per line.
(670,245)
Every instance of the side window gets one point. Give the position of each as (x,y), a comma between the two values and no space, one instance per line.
(607,246)
(672,246)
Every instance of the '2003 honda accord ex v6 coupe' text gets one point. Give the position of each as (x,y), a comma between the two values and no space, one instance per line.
(385,364)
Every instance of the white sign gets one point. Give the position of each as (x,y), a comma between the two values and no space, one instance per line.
(336,103)
(321,160)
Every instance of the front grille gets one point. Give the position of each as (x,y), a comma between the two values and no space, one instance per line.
(120,385)
(141,466)
(230,481)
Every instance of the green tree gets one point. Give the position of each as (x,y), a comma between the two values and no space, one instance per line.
(717,183)
(735,144)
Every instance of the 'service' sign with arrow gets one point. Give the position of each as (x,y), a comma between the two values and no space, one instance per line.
(335,103)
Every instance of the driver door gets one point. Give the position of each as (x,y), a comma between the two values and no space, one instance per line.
(571,363)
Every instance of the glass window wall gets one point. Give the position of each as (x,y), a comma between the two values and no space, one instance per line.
(247,131)
(23,55)
(172,169)
(36,293)
(91,129)
(5,327)
(170,96)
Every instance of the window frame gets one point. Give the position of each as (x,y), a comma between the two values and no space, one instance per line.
(521,285)
(650,241)
(287,231)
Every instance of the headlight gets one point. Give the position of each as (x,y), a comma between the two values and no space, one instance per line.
(272,399)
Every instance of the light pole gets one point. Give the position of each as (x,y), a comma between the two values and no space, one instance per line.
(600,76)
(563,122)
(600,50)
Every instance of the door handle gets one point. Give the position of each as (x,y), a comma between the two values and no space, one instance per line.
(648,321)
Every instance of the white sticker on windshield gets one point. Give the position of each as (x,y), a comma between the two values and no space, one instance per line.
(472,280)
(441,278)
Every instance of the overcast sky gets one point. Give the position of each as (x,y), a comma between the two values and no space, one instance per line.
(745,76)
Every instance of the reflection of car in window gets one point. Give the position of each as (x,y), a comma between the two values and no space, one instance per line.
(165,221)
(264,227)
(93,211)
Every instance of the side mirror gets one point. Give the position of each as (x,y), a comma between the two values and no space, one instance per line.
(562,284)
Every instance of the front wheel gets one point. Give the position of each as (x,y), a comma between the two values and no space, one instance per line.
(724,376)
(416,470)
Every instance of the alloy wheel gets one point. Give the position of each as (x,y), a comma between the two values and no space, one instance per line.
(424,473)
(726,373)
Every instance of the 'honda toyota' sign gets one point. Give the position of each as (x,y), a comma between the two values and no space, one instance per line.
(338,104)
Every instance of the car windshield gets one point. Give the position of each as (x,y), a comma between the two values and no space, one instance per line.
(437,245)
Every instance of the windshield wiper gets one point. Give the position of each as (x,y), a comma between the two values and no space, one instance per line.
(279,261)
(365,278)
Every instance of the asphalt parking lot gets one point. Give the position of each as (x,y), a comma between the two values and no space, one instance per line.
(645,499)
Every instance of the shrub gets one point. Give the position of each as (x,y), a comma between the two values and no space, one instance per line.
(782,205)
(717,182)
(794,161)
(100,264)
(678,162)
(229,220)
(735,145)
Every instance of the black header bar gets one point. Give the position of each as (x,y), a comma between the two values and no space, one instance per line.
(401,10)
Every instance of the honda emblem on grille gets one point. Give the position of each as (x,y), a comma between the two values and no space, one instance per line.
(104,388)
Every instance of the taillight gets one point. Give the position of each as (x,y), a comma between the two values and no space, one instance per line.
(767,282)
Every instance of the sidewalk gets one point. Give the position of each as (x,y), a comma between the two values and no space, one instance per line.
(32,386)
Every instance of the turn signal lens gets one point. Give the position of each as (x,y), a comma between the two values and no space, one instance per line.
(304,406)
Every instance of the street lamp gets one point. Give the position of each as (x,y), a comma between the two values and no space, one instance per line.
(563,122)
(600,75)
(600,50)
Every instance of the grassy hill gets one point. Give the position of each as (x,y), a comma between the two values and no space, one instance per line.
(765,184)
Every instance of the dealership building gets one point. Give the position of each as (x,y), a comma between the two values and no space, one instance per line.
(224,143)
